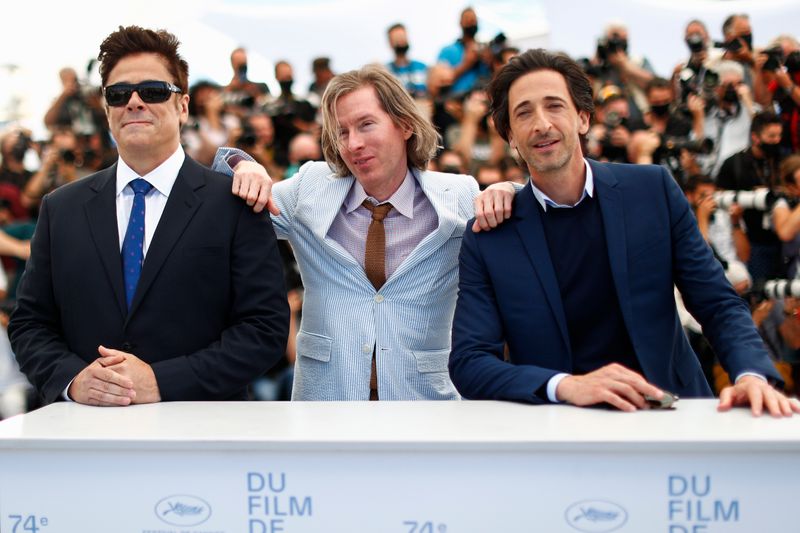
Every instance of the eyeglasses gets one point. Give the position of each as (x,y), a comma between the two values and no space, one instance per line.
(151,92)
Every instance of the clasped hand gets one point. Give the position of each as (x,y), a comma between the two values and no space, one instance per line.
(115,378)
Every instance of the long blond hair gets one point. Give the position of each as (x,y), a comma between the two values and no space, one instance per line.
(394,99)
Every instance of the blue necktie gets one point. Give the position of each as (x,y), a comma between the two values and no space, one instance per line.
(133,245)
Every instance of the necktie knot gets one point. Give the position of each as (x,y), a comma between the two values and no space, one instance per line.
(379,212)
(140,186)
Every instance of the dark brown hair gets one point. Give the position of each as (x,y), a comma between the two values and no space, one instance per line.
(531,61)
(137,40)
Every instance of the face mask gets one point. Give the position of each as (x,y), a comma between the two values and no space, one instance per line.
(748,39)
(470,31)
(401,50)
(730,95)
(660,110)
(695,43)
(286,86)
(771,151)
(444,90)
(242,72)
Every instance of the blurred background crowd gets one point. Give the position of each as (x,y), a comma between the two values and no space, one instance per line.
(725,121)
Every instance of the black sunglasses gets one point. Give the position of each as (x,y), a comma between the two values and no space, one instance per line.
(151,92)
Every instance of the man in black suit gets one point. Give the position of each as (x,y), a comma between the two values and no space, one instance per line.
(148,281)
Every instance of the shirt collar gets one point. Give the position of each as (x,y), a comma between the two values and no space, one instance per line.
(588,190)
(162,178)
(402,200)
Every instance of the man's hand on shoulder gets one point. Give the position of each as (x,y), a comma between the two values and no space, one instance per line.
(756,392)
(612,384)
(136,371)
(493,206)
(98,385)
(252,183)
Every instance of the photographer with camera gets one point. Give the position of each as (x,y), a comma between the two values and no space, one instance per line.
(613,66)
(469,59)
(729,108)
(702,56)
(610,136)
(73,109)
(757,167)
(241,95)
(60,165)
(668,129)
(737,46)
(780,72)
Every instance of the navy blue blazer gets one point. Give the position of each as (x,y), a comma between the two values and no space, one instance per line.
(508,293)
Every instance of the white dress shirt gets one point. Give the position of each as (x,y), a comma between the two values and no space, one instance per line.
(162,178)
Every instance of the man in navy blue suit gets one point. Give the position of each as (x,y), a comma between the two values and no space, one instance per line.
(579,281)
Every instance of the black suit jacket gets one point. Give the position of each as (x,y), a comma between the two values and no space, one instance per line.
(209,314)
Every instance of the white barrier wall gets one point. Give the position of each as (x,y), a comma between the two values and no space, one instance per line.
(396,467)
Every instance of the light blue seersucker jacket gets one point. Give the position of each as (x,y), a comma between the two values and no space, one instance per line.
(408,321)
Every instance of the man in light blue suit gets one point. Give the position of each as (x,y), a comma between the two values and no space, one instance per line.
(375,332)
(579,282)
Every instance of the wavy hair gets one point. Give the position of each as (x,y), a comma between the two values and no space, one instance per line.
(394,99)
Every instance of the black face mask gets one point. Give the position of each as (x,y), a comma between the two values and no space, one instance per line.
(748,40)
(695,43)
(470,31)
(660,110)
(286,86)
(241,72)
(730,95)
(401,50)
(771,151)
(444,90)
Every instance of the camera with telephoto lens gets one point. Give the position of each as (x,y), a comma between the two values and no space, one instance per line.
(676,144)
(759,199)
(778,289)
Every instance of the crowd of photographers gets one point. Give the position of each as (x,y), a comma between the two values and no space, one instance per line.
(725,122)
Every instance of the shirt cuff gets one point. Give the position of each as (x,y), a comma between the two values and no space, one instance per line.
(552,385)
(226,158)
(65,394)
(755,374)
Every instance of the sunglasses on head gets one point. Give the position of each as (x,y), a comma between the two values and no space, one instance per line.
(151,92)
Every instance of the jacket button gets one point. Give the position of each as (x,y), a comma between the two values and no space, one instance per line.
(127,347)
(378,298)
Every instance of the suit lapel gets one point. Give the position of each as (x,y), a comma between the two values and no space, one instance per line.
(318,211)
(445,203)
(181,206)
(612,209)
(531,232)
(101,212)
